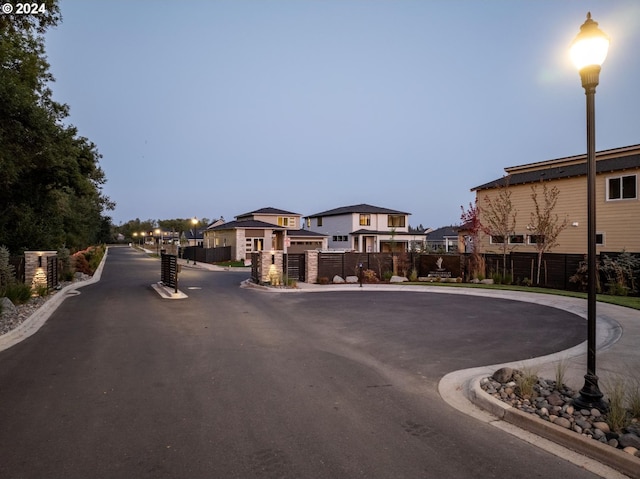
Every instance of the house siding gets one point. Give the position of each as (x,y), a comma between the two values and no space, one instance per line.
(618,220)
(333,226)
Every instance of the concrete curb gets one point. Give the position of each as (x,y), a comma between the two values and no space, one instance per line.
(612,457)
(167,293)
(33,323)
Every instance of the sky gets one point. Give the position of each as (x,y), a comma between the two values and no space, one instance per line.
(218,108)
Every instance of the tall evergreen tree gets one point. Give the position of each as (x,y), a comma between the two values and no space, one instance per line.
(50,178)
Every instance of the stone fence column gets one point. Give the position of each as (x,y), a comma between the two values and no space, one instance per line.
(271,267)
(35,267)
(311,266)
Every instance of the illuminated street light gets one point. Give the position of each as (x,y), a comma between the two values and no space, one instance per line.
(588,52)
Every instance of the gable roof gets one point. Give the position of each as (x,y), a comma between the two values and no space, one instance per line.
(268,211)
(246,224)
(565,168)
(442,233)
(358,209)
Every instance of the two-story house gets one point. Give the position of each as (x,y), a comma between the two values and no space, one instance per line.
(363,228)
(617,201)
(264,229)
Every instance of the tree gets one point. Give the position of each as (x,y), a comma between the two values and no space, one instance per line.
(545,225)
(499,220)
(50,180)
(471,222)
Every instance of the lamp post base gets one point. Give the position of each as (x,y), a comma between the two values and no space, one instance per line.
(590,395)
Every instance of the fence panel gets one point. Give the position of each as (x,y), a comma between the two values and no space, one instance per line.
(295,267)
(169,270)
(52,271)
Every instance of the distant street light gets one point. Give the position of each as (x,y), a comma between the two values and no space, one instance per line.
(588,52)
(158,241)
(194,221)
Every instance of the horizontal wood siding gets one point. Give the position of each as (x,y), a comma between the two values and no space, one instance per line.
(619,221)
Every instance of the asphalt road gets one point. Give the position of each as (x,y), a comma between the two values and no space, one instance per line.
(240,383)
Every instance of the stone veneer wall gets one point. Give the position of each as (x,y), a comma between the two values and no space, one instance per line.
(311,266)
(35,270)
(271,271)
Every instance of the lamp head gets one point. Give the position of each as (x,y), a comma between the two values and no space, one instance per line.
(590,47)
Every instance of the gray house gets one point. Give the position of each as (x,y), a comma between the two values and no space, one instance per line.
(364,228)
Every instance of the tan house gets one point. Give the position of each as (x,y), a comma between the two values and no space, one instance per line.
(617,202)
(263,230)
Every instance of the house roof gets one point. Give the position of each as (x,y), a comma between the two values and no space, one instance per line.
(268,211)
(305,233)
(387,232)
(442,233)
(556,170)
(246,224)
(358,209)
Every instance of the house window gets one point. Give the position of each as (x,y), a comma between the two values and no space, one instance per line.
(600,239)
(308,222)
(621,188)
(516,239)
(340,238)
(495,239)
(248,245)
(286,222)
(365,220)
(535,239)
(396,221)
(320,221)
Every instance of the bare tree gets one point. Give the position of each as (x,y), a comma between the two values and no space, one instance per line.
(545,225)
(499,220)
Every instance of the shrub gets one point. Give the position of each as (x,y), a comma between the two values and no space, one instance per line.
(323,280)
(387,275)
(66,268)
(413,275)
(18,293)
(617,417)
(525,381)
(369,276)
(80,263)
(7,271)
(42,290)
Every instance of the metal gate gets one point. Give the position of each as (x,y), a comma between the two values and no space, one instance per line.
(169,270)
(295,266)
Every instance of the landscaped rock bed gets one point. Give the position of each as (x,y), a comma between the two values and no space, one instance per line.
(555,404)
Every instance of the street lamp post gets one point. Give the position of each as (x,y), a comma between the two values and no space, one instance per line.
(194,221)
(588,52)
(158,241)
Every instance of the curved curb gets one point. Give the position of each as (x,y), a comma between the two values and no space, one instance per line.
(605,454)
(33,323)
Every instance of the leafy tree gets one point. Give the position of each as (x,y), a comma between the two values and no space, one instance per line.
(499,220)
(50,180)
(545,225)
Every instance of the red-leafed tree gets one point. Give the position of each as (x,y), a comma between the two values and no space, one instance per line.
(471,223)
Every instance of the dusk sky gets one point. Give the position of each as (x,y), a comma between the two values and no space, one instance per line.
(218,108)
